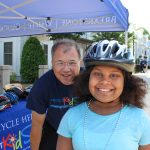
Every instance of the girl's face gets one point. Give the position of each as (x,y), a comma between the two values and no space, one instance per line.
(106,83)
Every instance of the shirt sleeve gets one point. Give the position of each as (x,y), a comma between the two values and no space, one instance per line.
(36,99)
(145,138)
(64,126)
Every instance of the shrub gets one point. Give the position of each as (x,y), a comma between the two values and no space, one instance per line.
(13,77)
(32,57)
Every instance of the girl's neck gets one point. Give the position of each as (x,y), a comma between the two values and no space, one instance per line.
(105,108)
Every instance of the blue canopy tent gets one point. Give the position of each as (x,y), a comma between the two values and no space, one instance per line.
(29,17)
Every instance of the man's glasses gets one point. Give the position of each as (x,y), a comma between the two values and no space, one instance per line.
(62,64)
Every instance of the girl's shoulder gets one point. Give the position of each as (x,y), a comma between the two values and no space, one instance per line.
(136,113)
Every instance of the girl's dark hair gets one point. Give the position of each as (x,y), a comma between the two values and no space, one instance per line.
(81,85)
(134,91)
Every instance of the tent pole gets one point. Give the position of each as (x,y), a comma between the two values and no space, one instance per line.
(126,38)
(22,16)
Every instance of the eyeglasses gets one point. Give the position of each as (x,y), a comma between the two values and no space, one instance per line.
(70,64)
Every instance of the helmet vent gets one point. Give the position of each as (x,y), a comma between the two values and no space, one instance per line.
(94,48)
(104,47)
(115,49)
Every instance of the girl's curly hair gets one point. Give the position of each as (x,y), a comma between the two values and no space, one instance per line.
(135,88)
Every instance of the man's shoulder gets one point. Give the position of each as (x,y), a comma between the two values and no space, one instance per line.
(47,76)
(45,79)
(43,84)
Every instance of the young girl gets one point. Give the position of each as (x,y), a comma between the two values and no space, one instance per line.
(110,116)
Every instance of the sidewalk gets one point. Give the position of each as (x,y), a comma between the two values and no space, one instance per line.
(145,76)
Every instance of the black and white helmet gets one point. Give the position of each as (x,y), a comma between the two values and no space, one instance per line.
(109,53)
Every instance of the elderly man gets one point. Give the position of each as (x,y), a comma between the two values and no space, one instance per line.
(51,95)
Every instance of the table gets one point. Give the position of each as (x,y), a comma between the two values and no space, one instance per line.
(15,125)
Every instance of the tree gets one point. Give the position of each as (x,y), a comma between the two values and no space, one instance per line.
(131,39)
(146,33)
(119,36)
(73,36)
(144,30)
(32,57)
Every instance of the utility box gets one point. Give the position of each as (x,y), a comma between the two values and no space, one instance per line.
(42,69)
(5,71)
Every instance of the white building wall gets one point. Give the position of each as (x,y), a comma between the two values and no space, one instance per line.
(18,43)
(17,51)
(17,47)
(141,46)
(1,51)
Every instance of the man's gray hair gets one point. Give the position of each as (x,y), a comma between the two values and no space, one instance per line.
(66,42)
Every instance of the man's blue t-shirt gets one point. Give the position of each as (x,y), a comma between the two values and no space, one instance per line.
(51,96)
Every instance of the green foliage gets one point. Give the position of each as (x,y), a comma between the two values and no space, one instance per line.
(73,36)
(131,39)
(145,31)
(32,57)
(119,36)
(13,77)
(149,36)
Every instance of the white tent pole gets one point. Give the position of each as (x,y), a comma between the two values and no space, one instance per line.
(19,14)
(17,6)
(10,17)
(126,38)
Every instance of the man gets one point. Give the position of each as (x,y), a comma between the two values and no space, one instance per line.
(143,64)
(51,96)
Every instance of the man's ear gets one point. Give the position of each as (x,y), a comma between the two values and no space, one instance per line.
(81,63)
(52,63)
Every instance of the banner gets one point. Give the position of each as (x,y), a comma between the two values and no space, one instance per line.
(15,125)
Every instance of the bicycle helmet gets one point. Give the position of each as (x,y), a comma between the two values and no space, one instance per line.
(109,53)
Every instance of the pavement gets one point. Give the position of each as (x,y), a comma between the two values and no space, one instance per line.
(146,77)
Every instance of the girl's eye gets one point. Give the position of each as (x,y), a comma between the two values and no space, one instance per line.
(114,76)
(98,74)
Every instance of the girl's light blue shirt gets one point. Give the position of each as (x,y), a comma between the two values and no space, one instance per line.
(133,128)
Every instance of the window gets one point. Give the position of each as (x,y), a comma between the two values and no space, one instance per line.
(8,53)
(46,53)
